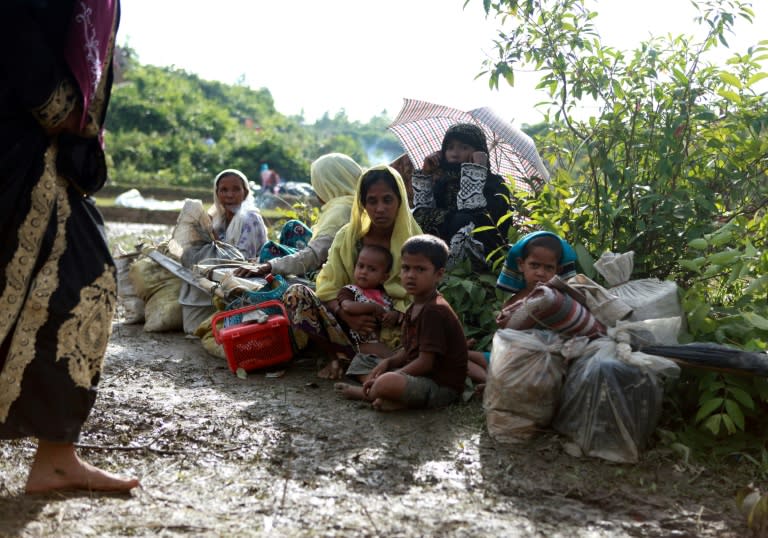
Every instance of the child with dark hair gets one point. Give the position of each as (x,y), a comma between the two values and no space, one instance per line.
(368,296)
(430,368)
(538,300)
(456,192)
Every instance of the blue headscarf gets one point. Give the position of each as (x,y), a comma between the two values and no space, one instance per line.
(512,280)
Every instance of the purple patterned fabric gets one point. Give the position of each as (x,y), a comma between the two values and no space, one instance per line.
(88,44)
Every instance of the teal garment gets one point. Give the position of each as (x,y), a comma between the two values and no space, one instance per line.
(294,236)
(511,279)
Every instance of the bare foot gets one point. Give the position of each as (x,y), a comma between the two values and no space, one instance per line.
(332,370)
(350,392)
(57,467)
(380,404)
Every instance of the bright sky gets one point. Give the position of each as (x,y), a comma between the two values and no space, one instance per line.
(365,56)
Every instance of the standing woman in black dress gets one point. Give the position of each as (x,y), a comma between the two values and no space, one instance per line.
(57,278)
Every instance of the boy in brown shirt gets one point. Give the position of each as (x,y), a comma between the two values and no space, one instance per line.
(430,369)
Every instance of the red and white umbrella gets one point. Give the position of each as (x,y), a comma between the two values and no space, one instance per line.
(421,126)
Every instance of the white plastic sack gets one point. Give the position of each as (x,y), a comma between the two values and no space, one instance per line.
(649,298)
(523,385)
(604,305)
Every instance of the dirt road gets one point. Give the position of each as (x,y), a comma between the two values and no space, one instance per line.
(224,456)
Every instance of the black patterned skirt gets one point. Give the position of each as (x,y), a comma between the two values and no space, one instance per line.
(57,298)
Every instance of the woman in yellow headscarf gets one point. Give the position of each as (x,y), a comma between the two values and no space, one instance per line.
(380,216)
(333,177)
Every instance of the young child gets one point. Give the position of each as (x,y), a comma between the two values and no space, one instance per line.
(367,296)
(534,260)
(455,192)
(537,257)
(430,368)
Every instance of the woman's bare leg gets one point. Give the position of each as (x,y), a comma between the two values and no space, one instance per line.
(57,467)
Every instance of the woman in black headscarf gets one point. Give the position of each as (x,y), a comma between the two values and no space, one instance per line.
(455,192)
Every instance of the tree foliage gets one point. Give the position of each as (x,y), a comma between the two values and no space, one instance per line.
(169,127)
(670,163)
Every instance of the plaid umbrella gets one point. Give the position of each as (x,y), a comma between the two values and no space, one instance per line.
(420,127)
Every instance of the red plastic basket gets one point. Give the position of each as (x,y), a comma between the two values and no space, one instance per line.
(252,346)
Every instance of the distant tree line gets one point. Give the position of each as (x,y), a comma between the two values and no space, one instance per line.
(169,127)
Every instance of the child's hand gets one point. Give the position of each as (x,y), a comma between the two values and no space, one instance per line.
(502,318)
(379,369)
(431,163)
(480,157)
(391,319)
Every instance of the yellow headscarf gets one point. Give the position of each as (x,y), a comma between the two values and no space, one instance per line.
(338,271)
(334,176)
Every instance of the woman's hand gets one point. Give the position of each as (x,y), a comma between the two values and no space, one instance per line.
(247,271)
(481,158)
(391,319)
(431,163)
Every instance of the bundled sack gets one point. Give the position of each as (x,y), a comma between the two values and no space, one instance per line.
(193,242)
(130,305)
(523,385)
(159,289)
(611,400)
(607,307)
(649,298)
(554,306)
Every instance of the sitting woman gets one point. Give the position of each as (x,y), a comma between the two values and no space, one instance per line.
(455,192)
(380,216)
(301,252)
(236,220)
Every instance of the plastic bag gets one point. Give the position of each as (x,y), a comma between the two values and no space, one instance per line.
(130,305)
(524,379)
(604,305)
(649,298)
(196,307)
(609,408)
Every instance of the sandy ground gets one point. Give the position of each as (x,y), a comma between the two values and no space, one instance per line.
(284,456)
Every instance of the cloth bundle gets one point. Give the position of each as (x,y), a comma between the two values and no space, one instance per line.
(555,309)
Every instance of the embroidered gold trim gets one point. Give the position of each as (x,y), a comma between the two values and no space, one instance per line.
(30,234)
(83,338)
(32,309)
(58,106)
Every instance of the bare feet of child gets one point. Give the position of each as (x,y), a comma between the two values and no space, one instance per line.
(57,467)
(332,370)
(380,404)
(350,392)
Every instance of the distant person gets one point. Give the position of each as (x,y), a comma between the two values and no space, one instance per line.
(367,295)
(236,219)
(270,180)
(58,286)
(430,368)
(333,177)
(455,192)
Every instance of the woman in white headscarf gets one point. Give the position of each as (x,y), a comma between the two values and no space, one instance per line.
(236,220)
(333,176)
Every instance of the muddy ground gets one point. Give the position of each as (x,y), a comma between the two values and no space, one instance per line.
(283,456)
